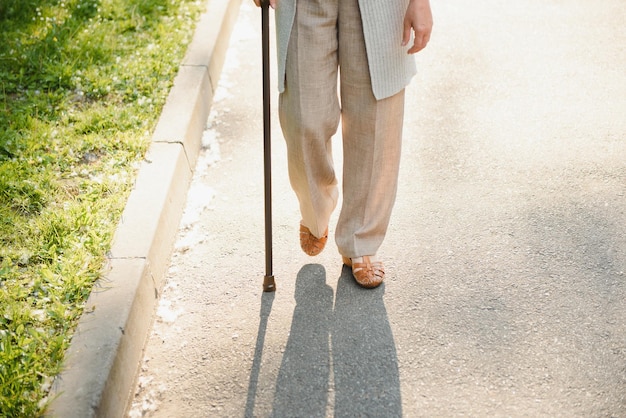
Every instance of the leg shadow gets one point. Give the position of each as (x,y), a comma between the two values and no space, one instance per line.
(365,362)
(302,384)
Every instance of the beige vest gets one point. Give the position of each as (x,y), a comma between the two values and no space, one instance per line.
(391,68)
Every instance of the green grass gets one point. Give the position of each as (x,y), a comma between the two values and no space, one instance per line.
(82,83)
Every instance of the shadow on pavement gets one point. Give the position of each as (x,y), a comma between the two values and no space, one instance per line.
(266,308)
(365,362)
(363,355)
(303,379)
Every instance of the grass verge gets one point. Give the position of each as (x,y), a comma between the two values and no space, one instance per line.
(82,83)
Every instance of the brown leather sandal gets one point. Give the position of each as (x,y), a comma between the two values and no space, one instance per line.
(309,243)
(368,274)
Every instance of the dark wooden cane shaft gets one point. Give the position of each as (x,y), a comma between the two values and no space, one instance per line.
(268,282)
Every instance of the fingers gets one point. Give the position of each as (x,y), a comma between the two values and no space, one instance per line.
(271,2)
(419,19)
(422,36)
(406,33)
(420,42)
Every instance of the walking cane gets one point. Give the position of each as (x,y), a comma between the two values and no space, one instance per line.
(268,281)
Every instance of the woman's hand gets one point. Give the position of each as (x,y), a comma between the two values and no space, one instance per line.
(419,18)
(272,3)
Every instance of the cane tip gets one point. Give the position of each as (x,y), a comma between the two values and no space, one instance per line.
(269,285)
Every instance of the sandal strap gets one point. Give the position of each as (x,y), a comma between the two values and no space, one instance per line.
(306,231)
(368,265)
(368,274)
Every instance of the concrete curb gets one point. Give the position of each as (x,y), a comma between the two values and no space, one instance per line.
(105,354)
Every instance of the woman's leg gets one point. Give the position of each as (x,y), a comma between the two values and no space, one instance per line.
(372,136)
(309,110)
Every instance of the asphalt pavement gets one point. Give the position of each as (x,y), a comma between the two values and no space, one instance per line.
(505,258)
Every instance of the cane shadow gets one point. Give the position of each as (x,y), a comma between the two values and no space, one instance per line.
(266,308)
(303,378)
(365,360)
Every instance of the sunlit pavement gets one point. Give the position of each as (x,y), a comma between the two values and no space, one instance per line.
(505,258)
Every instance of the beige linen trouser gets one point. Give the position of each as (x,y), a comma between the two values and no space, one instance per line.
(327,35)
